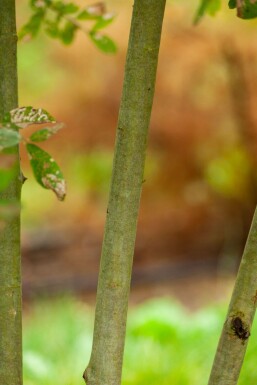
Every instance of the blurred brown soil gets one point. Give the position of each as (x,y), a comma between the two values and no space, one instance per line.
(57,261)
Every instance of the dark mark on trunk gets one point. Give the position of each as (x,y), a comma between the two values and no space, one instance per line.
(239,329)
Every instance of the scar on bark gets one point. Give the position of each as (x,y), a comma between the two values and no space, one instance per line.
(239,329)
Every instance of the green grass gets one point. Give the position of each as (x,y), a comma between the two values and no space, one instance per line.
(166,345)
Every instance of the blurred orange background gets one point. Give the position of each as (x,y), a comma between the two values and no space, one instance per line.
(200,180)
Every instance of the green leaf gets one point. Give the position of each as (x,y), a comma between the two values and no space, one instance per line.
(103,21)
(8,138)
(32,27)
(45,133)
(247,9)
(103,42)
(46,171)
(68,33)
(232,4)
(24,116)
(210,7)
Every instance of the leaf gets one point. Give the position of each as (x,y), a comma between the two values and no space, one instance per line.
(65,8)
(68,33)
(103,42)
(46,171)
(45,133)
(92,12)
(24,116)
(232,4)
(247,9)
(33,25)
(35,4)
(103,21)
(70,8)
(214,7)
(8,138)
(52,29)
(97,9)
(84,15)
(207,6)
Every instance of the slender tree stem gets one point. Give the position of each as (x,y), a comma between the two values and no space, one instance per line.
(105,365)
(10,277)
(236,331)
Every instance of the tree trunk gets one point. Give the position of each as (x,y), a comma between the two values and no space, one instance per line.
(236,331)
(105,364)
(10,277)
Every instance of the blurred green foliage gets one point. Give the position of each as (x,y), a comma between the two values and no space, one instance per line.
(88,177)
(38,73)
(62,20)
(92,171)
(228,174)
(165,344)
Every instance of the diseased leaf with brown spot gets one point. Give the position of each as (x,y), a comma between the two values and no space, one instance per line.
(46,171)
(24,116)
(45,133)
(247,9)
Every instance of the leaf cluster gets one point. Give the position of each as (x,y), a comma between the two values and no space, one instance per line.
(246,9)
(45,169)
(61,20)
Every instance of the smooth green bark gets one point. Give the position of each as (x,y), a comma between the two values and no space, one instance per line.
(236,331)
(10,277)
(105,365)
